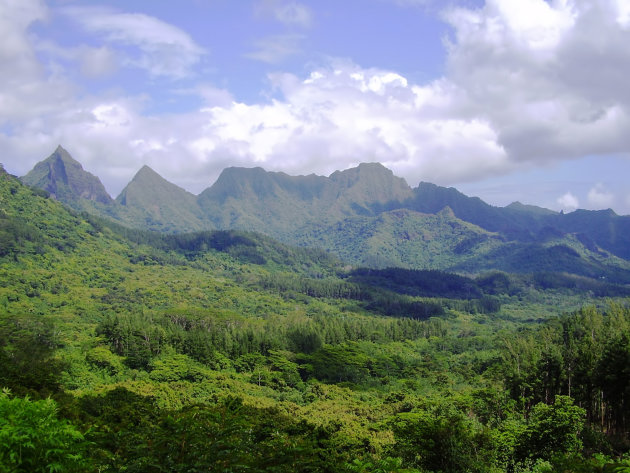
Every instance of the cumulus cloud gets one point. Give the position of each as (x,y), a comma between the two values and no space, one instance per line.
(568,202)
(599,198)
(342,115)
(27,90)
(160,48)
(549,76)
(339,116)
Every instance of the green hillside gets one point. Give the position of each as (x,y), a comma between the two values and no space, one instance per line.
(125,350)
(403,238)
(364,215)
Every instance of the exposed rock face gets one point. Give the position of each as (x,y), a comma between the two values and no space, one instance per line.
(66,180)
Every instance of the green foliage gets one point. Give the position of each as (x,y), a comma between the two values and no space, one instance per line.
(385,465)
(33,438)
(27,362)
(134,436)
(428,283)
(443,440)
(552,429)
(171,366)
(583,355)
(227,351)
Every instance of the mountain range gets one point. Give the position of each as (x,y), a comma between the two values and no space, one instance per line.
(366,215)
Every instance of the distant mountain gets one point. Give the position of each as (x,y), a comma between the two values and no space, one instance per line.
(278,204)
(603,228)
(515,223)
(366,215)
(150,201)
(67,181)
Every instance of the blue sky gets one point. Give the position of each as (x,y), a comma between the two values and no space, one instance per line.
(507,100)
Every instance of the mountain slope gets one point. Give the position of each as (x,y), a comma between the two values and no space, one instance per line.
(403,238)
(514,222)
(365,214)
(67,181)
(278,204)
(275,364)
(156,204)
(597,227)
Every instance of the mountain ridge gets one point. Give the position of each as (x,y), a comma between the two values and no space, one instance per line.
(339,211)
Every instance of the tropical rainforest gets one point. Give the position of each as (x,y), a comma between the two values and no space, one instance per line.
(127,350)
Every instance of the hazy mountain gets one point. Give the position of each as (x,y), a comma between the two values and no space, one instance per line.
(150,201)
(67,181)
(603,228)
(365,214)
(278,204)
(514,222)
(271,202)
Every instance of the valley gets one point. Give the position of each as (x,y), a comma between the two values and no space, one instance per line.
(346,323)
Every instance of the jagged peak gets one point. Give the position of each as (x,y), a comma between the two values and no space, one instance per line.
(64,156)
(64,177)
(147,173)
(146,170)
(370,175)
(148,184)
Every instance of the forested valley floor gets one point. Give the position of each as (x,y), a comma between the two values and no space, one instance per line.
(130,351)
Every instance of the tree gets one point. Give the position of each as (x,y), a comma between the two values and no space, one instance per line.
(443,440)
(552,429)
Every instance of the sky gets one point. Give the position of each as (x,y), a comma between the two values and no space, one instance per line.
(508,100)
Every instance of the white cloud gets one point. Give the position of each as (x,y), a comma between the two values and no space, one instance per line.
(161,48)
(549,76)
(27,90)
(16,46)
(93,62)
(623,12)
(342,115)
(568,202)
(339,116)
(600,198)
(536,82)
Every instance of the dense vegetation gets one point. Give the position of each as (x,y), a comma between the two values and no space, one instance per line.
(123,350)
(365,215)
